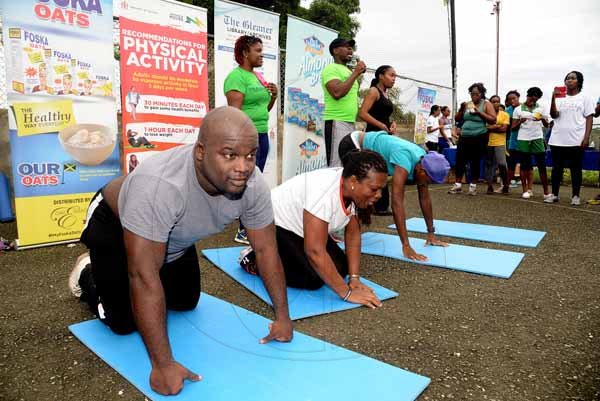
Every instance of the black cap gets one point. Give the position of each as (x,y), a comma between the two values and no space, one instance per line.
(339,42)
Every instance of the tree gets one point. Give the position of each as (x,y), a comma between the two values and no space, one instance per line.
(398,115)
(334,14)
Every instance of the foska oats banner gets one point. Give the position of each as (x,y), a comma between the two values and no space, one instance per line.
(63,129)
(164,76)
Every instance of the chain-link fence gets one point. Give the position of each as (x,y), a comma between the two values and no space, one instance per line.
(404,97)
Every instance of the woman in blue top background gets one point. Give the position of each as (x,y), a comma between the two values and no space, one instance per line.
(405,161)
(512,101)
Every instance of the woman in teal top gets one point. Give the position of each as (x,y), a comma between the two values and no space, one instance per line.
(248,91)
(472,144)
(512,101)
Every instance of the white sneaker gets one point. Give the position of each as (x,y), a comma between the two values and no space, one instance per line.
(456,189)
(550,198)
(575,201)
(472,189)
(526,195)
(82,261)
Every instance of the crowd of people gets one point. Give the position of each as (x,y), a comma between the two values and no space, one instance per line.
(520,132)
(141,229)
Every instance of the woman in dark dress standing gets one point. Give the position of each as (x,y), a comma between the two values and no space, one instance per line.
(376,110)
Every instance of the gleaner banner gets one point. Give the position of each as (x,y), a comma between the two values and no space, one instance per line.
(62,120)
(164,85)
(233,20)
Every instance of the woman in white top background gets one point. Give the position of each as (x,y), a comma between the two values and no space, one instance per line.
(310,207)
(446,134)
(433,128)
(573,114)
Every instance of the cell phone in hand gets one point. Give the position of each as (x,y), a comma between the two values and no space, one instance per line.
(560,91)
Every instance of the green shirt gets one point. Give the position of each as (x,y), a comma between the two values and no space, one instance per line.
(346,108)
(256,96)
(473,125)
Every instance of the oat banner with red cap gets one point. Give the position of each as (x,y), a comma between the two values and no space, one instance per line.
(62,120)
(164,84)
(233,20)
(425,99)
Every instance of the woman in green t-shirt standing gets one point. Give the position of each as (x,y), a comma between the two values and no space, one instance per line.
(248,91)
(472,144)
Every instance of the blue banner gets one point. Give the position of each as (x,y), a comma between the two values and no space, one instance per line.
(307,53)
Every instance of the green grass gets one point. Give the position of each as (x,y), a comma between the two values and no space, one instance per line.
(590,178)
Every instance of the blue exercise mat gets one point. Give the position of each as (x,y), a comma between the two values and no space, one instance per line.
(302,303)
(479,232)
(220,341)
(490,262)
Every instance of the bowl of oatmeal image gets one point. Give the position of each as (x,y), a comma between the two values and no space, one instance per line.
(89,144)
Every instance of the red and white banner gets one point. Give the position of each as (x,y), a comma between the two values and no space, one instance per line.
(164,70)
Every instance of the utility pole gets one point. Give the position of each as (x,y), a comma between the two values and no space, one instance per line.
(453,55)
(496,10)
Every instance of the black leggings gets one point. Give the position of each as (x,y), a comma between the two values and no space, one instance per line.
(470,149)
(432,146)
(106,282)
(383,204)
(561,157)
(298,271)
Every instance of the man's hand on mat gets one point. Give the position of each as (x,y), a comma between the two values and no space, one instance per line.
(435,242)
(280,330)
(168,379)
(410,253)
(364,296)
(356,284)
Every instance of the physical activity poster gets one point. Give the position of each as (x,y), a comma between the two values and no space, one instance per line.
(164,84)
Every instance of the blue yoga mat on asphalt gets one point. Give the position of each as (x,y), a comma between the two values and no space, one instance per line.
(490,262)
(479,232)
(302,303)
(220,341)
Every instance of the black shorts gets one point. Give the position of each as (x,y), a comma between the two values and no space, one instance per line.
(108,289)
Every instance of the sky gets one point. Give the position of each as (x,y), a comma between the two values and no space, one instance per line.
(540,42)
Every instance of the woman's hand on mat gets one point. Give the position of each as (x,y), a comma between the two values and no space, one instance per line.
(168,379)
(280,330)
(410,253)
(364,296)
(431,240)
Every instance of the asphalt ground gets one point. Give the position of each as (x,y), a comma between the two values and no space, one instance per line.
(535,336)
